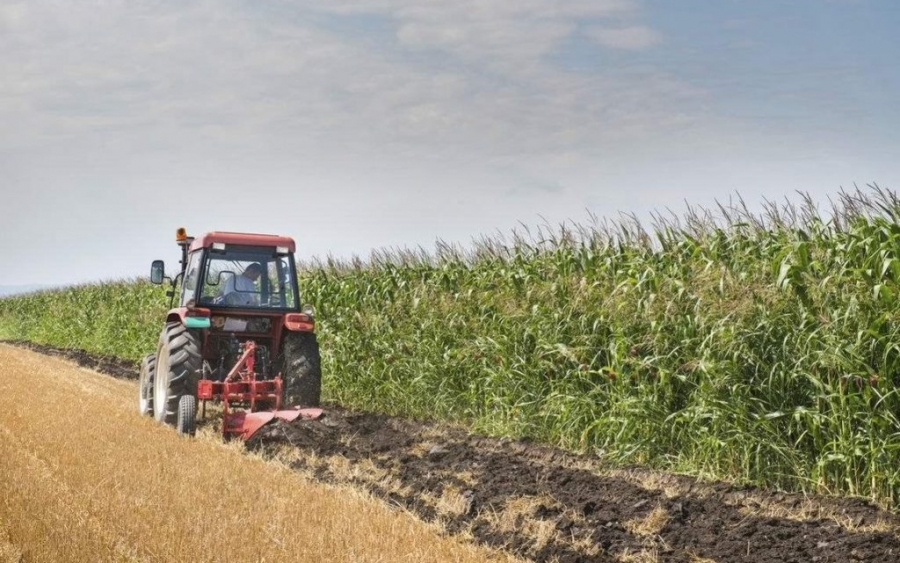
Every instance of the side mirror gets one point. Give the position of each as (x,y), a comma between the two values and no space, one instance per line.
(157,272)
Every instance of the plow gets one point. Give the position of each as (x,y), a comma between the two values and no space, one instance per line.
(237,336)
(248,404)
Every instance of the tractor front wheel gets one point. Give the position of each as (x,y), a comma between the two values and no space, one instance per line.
(300,370)
(145,385)
(178,361)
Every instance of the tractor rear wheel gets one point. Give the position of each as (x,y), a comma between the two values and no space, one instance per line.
(145,385)
(178,361)
(187,415)
(300,370)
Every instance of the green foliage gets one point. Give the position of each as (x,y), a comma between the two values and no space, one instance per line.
(756,347)
(119,318)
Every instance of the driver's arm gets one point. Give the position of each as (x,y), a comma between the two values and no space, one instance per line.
(227,287)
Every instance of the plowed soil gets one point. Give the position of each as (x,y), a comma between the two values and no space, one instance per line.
(547,504)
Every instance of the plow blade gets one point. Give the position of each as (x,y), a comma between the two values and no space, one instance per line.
(246,424)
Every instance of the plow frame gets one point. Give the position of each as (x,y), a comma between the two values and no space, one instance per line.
(248,404)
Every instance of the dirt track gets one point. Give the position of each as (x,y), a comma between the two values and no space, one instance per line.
(547,504)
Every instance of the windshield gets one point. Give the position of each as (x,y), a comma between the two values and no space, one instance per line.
(249,277)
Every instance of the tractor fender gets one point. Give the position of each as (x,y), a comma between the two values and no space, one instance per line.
(299,322)
(175,316)
(189,317)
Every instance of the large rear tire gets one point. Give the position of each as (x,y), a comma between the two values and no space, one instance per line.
(178,361)
(300,370)
(145,385)
(187,415)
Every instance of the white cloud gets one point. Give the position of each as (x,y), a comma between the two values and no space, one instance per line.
(501,34)
(634,38)
(220,75)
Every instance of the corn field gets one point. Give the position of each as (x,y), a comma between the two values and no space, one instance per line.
(760,347)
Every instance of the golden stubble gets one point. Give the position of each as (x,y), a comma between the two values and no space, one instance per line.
(650,525)
(638,556)
(758,504)
(807,510)
(88,479)
(9,553)
(669,485)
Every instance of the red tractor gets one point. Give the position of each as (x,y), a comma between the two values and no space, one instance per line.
(238,336)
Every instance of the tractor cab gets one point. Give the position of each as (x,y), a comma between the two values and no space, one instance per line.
(234,270)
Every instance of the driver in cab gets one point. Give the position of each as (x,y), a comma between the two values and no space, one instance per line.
(241,290)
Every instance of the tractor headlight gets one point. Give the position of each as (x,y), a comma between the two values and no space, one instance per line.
(308,310)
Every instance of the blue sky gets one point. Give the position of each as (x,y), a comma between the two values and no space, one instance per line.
(353,125)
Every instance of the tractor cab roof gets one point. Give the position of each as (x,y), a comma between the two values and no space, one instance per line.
(246,239)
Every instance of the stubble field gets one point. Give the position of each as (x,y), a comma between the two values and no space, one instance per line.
(85,478)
